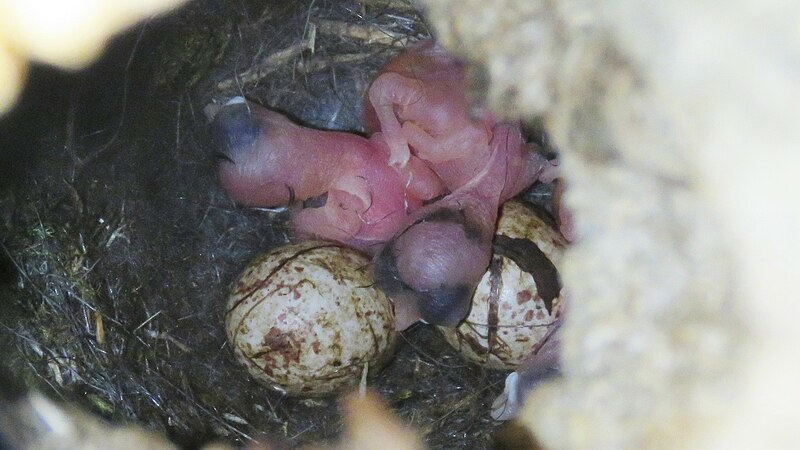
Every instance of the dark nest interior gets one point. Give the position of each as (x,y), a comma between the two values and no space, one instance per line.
(118,246)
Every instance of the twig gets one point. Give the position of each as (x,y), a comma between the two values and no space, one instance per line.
(319,63)
(270,64)
(400,5)
(364,32)
(147,321)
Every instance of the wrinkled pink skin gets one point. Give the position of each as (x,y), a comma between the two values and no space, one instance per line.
(417,101)
(367,200)
(431,268)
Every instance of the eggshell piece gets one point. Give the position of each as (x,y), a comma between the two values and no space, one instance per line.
(305,318)
(519,297)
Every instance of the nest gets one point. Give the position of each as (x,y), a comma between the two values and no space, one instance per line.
(118,246)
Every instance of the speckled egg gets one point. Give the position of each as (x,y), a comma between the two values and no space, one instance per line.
(305,319)
(519,296)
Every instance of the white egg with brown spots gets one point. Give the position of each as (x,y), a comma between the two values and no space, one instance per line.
(305,319)
(519,296)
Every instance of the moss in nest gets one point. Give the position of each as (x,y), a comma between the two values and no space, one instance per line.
(198,43)
(59,317)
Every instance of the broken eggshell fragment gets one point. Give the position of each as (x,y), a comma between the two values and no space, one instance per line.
(305,319)
(519,297)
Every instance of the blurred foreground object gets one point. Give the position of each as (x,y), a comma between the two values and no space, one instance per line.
(677,125)
(370,425)
(34,422)
(68,34)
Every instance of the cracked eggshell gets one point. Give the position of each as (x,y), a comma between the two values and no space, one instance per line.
(519,296)
(305,318)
